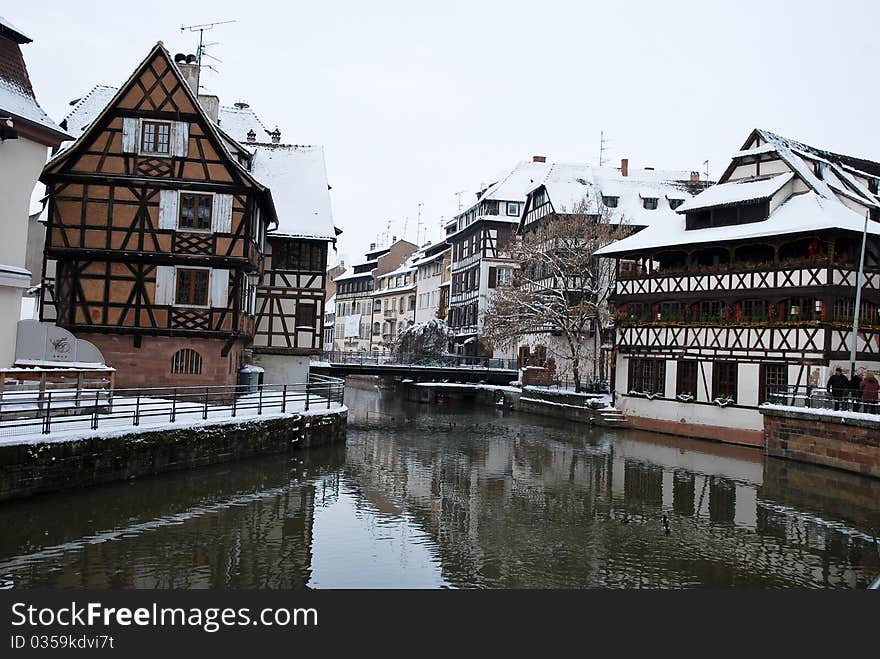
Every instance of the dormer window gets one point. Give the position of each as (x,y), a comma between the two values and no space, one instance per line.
(156,137)
(512,208)
(675,203)
(251,136)
(610,202)
(650,203)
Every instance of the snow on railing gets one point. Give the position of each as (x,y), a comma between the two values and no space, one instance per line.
(61,412)
(819,398)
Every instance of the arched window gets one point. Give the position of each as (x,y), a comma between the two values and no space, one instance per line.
(186,362)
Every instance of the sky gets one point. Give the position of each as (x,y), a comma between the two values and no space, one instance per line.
(416,102)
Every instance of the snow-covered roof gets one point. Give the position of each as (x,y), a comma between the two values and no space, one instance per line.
(7,28)
(17,99)
(807,212)
(570,184)
(353,275)
(238,121)
(297,179)
(86,110)
(734,192)
(330,305)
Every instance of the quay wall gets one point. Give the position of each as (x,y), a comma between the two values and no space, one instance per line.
(818,437)
(32,468)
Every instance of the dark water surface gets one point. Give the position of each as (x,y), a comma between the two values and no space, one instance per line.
(458,496)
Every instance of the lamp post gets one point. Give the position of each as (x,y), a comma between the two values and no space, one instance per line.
(855,329)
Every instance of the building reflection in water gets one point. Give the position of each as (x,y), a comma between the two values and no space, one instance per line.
(464,497)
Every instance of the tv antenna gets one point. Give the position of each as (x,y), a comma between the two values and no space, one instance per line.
(458,195)
(602,143)
(201,30)
(419,225)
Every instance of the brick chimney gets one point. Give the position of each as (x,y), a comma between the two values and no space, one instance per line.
(695,177)
(624,166)
(539,158)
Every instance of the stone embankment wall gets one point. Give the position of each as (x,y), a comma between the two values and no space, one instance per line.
(27,469)
(844,442)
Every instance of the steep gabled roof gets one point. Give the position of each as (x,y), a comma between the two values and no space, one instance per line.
(17,99)
(160,51)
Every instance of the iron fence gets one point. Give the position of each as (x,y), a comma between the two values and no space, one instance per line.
(820,398)
(60,411)
(412,359)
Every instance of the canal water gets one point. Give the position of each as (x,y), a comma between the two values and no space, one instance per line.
(459,496)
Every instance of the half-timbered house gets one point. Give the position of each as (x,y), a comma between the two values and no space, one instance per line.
(480,238)
(290,297)
(752,290)
(634,197)
(155,233)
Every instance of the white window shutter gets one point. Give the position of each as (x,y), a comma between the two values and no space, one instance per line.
(168,200)
(221,217)
(219,288)
(164,284)
(131,130)
(180,139)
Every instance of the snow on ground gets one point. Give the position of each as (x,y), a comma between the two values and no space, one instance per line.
(824,411)
(187,415)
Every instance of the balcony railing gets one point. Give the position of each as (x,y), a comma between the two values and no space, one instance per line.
(847,400)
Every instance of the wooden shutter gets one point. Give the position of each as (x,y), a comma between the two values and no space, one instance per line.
(180,139)
(164,284)
(221,215)
(219,289)
(493,277)
(168,200)
(131,132)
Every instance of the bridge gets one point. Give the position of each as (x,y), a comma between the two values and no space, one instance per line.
(456,368)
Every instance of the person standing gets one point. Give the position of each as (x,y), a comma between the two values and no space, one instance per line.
(870,393)
(855,389)
(837,386)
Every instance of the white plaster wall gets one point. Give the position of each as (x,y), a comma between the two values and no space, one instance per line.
(747,382)
(283,369)
(10,310)
(707,415)
(20,164)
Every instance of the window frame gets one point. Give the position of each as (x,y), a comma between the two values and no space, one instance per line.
(177,303)
(144,123)
(687,386)
(515,205)
(196,195)
(194,357)
(730,391)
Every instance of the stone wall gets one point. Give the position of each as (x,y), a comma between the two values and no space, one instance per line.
(150,365)
(35,468)
(842,442)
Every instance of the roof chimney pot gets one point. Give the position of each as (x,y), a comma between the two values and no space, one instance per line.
(539,158)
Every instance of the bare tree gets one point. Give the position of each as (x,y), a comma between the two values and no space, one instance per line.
(560,286)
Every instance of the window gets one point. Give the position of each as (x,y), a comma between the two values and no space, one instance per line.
(412,302)
(299,255)
(610,202)
(192,287)
(195,211)
(512,208)
(774,378)
(493,277)
(186,362)
(650,203)
(377,329)
(647,375)
(305,315)
(675,203)
(686,378)
(156,137)
(724,380)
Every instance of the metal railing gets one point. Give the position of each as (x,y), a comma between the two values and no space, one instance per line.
(820,398)
(163,405)
(412,359)
(588,386)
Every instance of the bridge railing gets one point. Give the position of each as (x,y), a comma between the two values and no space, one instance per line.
(58,412)
(413,359)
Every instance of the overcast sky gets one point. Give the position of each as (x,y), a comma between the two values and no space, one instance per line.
(414,104)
